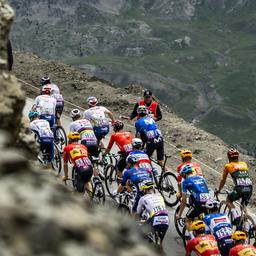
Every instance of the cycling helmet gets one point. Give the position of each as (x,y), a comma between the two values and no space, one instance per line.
(75,113)
(187,169)
(146,184)
(212,204)
(232,153)
(118,125)
(45,80)
(92,101)
(197,225)
(46,90)
(142,110)
(131,159)
(74,136)
(137,143)
(238,236)
(185,153)
(32,114)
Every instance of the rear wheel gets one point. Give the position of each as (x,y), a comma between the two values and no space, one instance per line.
(248,226)
(168,188)
(60,138)
(56,161)
(111,180)
(98,195)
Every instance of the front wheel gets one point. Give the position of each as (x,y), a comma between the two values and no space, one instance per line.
(60,138)
(168,186)
(111,179)
(98,195)
(56,161)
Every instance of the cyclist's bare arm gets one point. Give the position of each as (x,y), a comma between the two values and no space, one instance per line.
(182,204)
(223,180)
(111,116)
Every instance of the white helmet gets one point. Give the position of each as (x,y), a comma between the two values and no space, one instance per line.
(75,113)
(92,101)
(137,143)
(211,204)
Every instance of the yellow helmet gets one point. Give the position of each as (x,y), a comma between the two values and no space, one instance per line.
(185,153)
(238,235)
(196,225)
(74,136)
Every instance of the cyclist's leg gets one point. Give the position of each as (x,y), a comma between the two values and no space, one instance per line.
(233,196)
(59,110)
(160,152)
(121,165)
(136,202)
(150,148)
(85,175)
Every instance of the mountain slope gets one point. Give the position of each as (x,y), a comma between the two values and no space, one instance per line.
(197,55)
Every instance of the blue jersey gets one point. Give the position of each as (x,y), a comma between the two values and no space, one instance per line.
(219,225)
(136,176)
(147,127)
(197,187)
(143,160)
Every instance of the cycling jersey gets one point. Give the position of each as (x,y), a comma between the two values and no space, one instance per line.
(41,128)
(203,246)
(195,166)
(45,105)
(84,127)
(151,108)
(123,140)
(143,160)
(147,128)
(154,205)
(243,250)
(97,116)
(77,154)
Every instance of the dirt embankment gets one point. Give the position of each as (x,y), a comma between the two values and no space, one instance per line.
(77,86)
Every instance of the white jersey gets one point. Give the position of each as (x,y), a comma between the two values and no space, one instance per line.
(41,128)
(45,105)
(97,116)
(153,204)
(84,127)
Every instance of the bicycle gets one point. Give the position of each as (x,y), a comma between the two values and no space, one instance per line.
(246,222)
(60,137)
(125,202)
(165,183)
(56,162)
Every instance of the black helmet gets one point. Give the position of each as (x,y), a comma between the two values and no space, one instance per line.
(118,125)
(45,80)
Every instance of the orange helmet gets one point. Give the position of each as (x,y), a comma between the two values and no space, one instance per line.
(185,153)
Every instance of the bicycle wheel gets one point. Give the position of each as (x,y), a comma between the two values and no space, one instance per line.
(179,224)
(102,163)
(56,161)
(60,138)
(248,226)
(168,185)
(123,209)
(185,236)
(98,195)
(111,180)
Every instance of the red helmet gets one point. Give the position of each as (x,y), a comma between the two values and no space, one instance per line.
(118,125)
(232,153)
(46,90)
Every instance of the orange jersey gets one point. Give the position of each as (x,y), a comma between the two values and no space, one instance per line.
(243,250)
(123,140)
(195,166)
(203,246)
(77,154)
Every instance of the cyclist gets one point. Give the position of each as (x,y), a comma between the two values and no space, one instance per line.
(46,106)
(85,129)
(44,135)
(202,244)
(239,246)
(55,92)
(151,105)
(123,140)
(198,191)
(97,116)
(147,130)
(153,204)
(77,154)
(243,183)
(186,157)
(219,225)
(136,176)
(143,159)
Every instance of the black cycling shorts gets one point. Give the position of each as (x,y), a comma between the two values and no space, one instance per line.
(244,192)
(93,150)
(225,245)
(84,174)
(158,145)
(59,110)
(122,162)
(195,210)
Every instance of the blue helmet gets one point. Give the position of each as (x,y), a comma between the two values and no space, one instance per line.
(32,114)
(132,159)
(187,169)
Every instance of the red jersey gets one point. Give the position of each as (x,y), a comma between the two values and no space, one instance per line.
(195,166)
(123,140)
(203,246)
(77,154)
(243,250)
(151,108)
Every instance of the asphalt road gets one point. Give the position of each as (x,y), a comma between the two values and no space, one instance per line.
(172,244)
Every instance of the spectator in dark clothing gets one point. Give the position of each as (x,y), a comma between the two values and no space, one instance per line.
(152,106)
(9,55)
